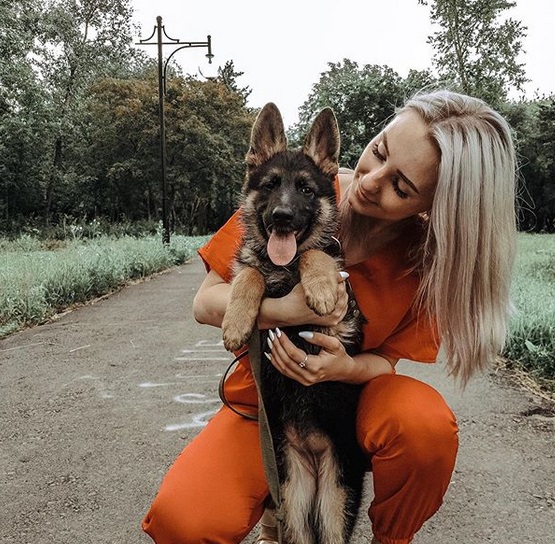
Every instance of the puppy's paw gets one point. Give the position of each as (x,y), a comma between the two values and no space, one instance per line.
(321,296)
(320,281)
(237,329)
(235,335)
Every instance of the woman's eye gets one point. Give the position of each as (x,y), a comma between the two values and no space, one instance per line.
(400,194)
(376,151)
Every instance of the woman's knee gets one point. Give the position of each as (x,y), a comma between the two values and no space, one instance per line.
(192,524)
(214,490)
(410,416)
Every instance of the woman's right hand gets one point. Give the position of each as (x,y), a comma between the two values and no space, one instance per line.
(292,309)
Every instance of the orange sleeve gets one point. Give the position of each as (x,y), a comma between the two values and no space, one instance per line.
(386,295)
(219,252)
(415,339)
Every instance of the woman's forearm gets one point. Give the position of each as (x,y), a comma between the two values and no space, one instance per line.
(210,303)
(212,298)
(368,366)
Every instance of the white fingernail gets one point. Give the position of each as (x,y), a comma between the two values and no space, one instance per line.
(278,333)
(306,334)
(271,335)
(344,274)
(270,343)
(268,356)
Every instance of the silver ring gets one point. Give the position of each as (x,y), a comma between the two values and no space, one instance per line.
(302,364)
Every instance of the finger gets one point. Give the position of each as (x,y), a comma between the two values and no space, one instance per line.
(287,358)
(290,354)
(329,343)
(276,362)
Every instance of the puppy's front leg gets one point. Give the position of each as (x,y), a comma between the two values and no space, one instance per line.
(247,291)
(319,280)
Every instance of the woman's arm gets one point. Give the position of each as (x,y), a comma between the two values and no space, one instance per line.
(331,364)
(210,303)
(211,300)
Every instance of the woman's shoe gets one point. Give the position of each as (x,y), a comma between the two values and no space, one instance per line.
(268,528)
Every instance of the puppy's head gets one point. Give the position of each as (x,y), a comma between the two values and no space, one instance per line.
(289,194)
(321,145)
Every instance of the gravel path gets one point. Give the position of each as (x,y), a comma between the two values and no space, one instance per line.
(96,405)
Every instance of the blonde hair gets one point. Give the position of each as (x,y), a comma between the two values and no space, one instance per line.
(468,251)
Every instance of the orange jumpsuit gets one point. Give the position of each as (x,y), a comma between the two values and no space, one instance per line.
(215,491)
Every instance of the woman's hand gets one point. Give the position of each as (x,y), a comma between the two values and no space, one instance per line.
(292,309)
(331,364)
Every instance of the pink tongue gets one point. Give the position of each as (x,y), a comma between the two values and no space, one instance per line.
(282,249)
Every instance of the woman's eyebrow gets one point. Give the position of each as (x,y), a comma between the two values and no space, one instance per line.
(401,175)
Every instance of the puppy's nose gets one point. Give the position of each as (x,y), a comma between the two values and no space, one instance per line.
(282,214)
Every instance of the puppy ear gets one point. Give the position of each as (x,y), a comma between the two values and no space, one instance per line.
(267,136)
(322,142)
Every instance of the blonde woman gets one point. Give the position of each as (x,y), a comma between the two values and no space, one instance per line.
(428,230)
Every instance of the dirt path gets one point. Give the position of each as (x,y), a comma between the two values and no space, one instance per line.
(96,405)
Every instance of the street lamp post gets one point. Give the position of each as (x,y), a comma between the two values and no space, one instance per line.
(160,32)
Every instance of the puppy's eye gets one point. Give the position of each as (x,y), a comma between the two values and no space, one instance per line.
(306,190)
(272,182)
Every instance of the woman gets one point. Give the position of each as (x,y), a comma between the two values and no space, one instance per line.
(428,230)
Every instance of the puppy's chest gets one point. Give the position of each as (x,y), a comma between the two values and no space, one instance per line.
(278,280)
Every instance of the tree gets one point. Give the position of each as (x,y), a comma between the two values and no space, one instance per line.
(80,40)
(363,99)
(477,45)
(534,128)
(228,75)
(207,132)
(23,113)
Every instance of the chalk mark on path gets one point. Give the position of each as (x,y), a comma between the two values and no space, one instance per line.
(204,350)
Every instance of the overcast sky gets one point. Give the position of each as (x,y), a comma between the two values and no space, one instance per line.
(282,47)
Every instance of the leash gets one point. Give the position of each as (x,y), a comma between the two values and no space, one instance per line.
(266,440)
(221,389)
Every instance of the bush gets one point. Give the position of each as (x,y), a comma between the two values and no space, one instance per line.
(532,340)
(37,282)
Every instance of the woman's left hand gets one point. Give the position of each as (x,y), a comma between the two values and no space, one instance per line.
(331,364)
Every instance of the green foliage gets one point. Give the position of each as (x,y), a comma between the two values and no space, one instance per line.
(53,50)
(79,124)
(363,99)
(534,129)
(207,132)
(532,340)
(477,45)
(228,75)
(36,282)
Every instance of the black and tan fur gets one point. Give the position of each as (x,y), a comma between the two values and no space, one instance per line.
(319,462)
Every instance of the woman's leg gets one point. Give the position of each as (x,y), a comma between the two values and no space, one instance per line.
(214,492)
(410,433)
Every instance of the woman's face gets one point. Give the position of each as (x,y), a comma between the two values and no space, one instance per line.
(396,174)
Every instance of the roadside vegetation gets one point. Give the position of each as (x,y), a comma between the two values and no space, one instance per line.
(41,278)
(531,346)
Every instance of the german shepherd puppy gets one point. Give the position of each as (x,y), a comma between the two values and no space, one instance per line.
(289,215)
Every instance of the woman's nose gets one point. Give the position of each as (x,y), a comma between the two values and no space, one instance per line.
(370,182)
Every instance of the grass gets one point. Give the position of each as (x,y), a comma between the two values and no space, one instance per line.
(531,344)
(39,278)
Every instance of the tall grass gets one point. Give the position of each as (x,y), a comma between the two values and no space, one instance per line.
(36,282)
(532,341)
